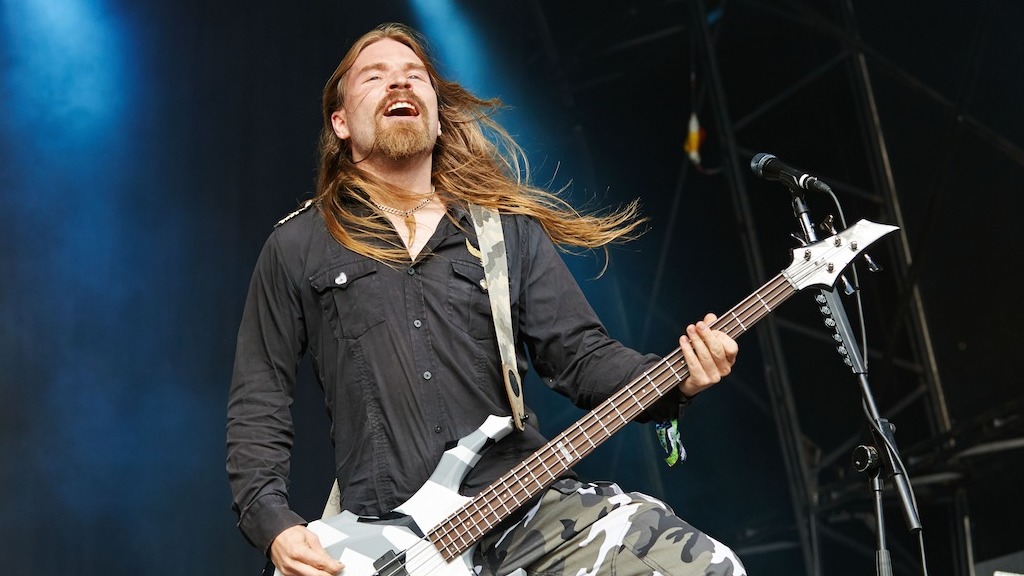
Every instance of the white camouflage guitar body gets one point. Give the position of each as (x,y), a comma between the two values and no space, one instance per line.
(435,531)
(396,546)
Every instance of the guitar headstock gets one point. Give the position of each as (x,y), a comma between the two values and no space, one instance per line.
(821,263)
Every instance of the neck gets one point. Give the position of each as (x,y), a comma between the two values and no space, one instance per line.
(409,177)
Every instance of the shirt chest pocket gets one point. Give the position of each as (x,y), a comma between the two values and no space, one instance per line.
(350,298)
(469,306)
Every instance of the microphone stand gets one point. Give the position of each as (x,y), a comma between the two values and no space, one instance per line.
(866,458)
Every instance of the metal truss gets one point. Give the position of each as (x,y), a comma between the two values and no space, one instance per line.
(820,501)
(828,502)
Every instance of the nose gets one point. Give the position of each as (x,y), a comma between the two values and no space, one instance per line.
(399,80)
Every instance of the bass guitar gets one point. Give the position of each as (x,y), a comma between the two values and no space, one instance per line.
(435,531)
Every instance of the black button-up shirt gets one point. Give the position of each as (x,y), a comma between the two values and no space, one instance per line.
(407,359)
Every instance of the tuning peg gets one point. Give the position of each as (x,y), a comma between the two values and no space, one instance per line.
(872,267)
(847,287)
(828,225)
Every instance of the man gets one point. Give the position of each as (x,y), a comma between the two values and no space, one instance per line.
(379,279)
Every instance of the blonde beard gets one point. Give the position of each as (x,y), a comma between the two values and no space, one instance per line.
(400,142)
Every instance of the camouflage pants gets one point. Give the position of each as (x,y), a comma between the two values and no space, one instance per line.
(585,529)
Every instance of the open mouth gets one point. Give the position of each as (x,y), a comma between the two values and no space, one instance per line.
(401,108)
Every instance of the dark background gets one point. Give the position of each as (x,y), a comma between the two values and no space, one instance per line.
(147,148)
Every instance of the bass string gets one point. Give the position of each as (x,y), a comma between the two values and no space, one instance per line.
(734,323)
(483,509)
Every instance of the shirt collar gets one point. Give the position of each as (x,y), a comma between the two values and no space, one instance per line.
(461,213)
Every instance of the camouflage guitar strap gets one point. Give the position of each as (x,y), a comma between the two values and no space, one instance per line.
(492,255)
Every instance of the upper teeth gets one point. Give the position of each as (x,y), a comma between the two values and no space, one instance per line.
(398,105)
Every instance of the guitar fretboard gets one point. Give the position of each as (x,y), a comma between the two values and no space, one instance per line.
(484,512)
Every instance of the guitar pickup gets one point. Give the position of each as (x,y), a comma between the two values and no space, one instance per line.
(390,564)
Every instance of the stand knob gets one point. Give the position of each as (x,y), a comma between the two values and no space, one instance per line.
(865,459)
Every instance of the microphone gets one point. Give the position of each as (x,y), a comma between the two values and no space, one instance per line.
(769,167)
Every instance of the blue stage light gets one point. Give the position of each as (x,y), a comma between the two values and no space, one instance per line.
(456,43)
(461,47)
(65,68)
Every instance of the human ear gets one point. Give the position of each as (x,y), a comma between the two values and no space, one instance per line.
(339,124)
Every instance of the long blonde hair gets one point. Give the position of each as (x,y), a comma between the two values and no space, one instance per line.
(468,167)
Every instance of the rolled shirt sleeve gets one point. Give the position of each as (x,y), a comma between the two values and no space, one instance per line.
(570,348)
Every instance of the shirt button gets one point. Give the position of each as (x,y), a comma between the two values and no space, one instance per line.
(417,323)
(427,375)
(411,271)
(438,429)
